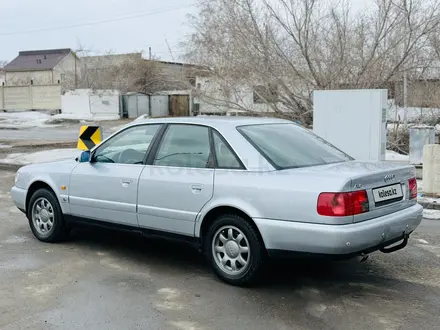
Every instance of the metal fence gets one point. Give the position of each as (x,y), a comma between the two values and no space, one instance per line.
(135,105)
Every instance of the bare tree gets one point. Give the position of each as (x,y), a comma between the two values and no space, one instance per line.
(140,75)
(123,72)
(288,48)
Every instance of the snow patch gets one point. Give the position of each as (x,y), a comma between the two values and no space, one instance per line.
(428,200)
(23,119)
(41,119)
(431,214)
(65,117)
(394,156)
(142,118)
(422,241)
(41,156)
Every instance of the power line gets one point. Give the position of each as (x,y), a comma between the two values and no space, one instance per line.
(96,22)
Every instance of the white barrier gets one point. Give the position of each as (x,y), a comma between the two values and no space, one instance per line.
(431,170)
(88,102)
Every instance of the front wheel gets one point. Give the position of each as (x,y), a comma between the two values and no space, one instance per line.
(235,250)
(45,217)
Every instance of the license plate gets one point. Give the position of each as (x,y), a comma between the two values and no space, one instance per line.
(387,193)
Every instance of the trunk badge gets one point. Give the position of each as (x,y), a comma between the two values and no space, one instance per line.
(389,178)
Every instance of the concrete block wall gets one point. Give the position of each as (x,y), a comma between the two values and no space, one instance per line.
(30,97)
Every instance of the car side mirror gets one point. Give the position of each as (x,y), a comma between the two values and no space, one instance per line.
(84,157)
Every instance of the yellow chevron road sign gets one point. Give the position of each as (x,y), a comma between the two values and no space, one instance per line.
(89,136)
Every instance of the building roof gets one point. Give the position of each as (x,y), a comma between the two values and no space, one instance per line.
(188,65)
(37,60)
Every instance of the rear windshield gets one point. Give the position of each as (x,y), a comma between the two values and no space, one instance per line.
(291,146)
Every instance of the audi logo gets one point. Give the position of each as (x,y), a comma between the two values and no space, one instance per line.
(389,177)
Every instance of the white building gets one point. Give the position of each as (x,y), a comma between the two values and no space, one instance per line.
(41,67)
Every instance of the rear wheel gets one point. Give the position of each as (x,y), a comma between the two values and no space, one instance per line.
(45,217)
(235,250)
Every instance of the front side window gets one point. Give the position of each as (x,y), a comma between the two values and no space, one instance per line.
(128,147)
(291,146)
(184,146)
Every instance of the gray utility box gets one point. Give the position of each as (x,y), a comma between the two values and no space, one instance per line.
(419,136)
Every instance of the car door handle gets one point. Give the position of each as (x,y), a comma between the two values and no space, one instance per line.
(196,188)
(125,182)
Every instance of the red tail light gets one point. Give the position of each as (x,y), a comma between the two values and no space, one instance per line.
(412,185)
(343,204)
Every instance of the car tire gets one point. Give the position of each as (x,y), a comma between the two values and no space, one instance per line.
(46,218)
(226,243)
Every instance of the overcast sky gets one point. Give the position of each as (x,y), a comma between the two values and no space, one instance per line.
(163,20)
(160,21)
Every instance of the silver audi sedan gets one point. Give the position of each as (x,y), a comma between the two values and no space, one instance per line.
(242,189)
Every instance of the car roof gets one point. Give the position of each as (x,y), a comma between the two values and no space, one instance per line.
(214,121)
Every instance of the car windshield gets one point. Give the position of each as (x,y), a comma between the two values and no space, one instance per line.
(291,146)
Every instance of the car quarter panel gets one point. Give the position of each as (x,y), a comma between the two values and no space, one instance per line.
(279,195)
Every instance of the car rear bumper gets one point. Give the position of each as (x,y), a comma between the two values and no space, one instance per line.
(339,239)
(19,197)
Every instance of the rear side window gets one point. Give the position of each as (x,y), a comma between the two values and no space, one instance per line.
(291,146)
(223,153)
(184,146)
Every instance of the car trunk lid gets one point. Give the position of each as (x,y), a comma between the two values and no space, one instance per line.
(386,185)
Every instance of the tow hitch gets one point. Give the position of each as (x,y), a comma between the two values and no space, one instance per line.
(387,249)
(364,257)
